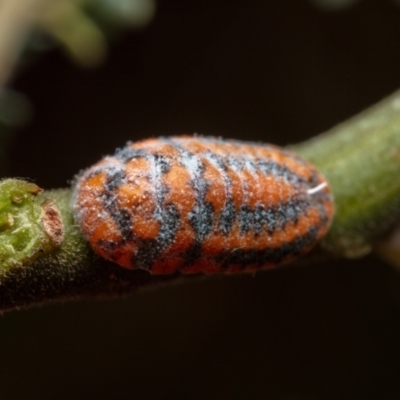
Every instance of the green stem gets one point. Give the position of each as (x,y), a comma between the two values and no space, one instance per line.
(70,271)
(360,159)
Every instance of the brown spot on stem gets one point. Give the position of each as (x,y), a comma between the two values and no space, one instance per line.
(52,222)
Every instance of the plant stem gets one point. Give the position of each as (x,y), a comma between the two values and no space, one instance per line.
(360,159)
(72,271)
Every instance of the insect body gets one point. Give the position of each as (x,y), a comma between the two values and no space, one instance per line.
(197,204)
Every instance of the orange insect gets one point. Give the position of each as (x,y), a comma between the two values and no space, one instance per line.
(199,204)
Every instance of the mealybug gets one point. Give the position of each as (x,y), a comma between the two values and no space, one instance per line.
(197,204)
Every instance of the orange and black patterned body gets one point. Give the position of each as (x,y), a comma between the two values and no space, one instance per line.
(198,204)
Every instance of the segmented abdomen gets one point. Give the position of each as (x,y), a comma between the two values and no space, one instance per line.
(197,204)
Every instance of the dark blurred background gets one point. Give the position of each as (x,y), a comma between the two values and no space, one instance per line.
(275,71)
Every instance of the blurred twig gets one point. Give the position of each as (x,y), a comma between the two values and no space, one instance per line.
(16,20)
(69,22)
(80,27)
